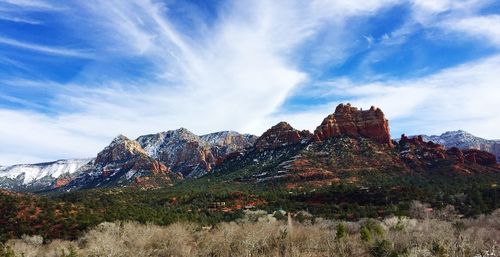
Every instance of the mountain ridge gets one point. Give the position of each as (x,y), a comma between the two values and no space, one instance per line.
(348,140)
(465,140)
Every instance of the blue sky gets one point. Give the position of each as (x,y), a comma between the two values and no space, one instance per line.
(74,74)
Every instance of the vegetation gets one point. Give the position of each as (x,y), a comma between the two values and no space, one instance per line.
(209,200)
(398,237)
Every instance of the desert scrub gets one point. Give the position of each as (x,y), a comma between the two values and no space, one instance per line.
(264,237)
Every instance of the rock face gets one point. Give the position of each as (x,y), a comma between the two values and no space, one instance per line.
(228,142)
(349,121)
(124,163)
(190,154)
(282,134)
(464,140)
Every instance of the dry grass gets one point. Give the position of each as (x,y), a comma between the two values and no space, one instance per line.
(268,237)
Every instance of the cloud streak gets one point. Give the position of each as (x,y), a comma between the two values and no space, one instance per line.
(46,49)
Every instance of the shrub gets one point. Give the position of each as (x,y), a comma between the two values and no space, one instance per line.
(6,251)
(383,248)
(341,231)
(365,234)
(438,250)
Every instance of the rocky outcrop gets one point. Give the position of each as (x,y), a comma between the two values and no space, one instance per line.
(456,155)
(420,154)
(190,154)
(349,121)
(228,142)
(280,135)
(121,148)
(479,157)
(124,162)
(464,140)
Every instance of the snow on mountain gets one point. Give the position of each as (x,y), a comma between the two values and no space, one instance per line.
(123,162)
(185,152)
(464,140)
(229,140)
(40,176)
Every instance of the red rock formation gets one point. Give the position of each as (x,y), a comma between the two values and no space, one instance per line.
(61,182)
(418,140)
(420,154)
(456,154)
(479,157)
(350,121)
(281,134)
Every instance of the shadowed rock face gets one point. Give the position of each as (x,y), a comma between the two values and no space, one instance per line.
(420,154)
(281,134)
(349,121)
(479,157)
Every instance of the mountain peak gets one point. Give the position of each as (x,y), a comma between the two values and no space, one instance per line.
(353,122)
(119,149)
(281,134)
(119,138)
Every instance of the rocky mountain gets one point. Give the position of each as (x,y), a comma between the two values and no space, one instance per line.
(40,176)
(464,140)
(171,152)
(347,144)
(193,155)
(123,163)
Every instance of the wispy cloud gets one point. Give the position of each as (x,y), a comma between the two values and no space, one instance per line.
(15,18)
(46,49)
(481,27)
(32,4)
(232,72)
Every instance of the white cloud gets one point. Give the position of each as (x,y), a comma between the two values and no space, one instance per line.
(45,49)
(463,97)
(30,137)
(232,74)
(32,4)
(482,27)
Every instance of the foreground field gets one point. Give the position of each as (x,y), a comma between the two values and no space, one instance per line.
(261,234)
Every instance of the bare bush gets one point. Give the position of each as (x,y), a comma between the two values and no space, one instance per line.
(257,235)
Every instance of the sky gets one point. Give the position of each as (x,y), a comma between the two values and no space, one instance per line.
(74,74)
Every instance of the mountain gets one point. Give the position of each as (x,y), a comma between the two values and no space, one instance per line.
(348,144)
(40,176)
(193,155)
(464,140)
(122,163)
(179,150)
